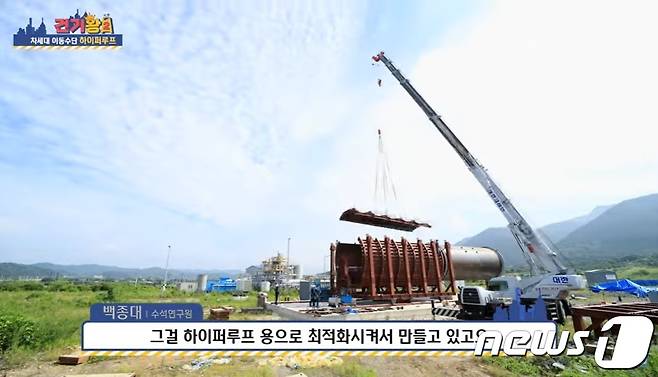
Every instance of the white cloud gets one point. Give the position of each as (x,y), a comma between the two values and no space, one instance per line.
(556,99)
(211,111)
(250,118)
(203,109)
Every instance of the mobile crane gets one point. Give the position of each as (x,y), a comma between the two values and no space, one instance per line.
(548,276)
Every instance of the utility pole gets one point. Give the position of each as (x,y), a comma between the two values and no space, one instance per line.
(288,254)
(164,284)
(324,263)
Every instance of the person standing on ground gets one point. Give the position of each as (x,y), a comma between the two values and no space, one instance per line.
(316,302)
(276,294)
(315,297)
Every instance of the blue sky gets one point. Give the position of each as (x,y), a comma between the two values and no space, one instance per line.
(222,128)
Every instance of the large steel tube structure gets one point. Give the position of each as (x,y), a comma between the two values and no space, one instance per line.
(390,269)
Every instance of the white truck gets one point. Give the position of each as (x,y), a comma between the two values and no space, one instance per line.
(548,276)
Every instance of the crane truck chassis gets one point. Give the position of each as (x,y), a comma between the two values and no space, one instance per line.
(480,303)
(548,276)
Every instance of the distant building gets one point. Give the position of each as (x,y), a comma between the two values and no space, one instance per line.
(322,275)
(595,277)
(186,286)
(276,270)
(244,284)
(297,271)
(253,270)
(222,285)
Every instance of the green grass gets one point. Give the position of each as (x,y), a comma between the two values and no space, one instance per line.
(230,370)
(637,272)
(519,366)
(57,309)
(575,366)
(351,368)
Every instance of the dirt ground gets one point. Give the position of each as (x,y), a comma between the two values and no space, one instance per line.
(169,366)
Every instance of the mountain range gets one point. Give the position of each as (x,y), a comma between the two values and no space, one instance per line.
(627,228)
(45,270)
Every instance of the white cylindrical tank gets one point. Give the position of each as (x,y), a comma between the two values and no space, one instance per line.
(244,285)
(475,263)
(297,270)
(265,286)
(201,282)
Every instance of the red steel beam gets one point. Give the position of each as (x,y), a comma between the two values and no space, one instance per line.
(609,312)
(435,250)
(421,248)
(578,322)
(379,276)
(389,260)
(371,264)
(398,260)
(404,296)
(406,265)
(633,306)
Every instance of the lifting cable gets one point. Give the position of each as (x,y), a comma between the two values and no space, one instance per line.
(383,176)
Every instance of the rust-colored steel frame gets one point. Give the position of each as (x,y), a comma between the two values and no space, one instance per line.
(382,285)
(384,221)
(598,314)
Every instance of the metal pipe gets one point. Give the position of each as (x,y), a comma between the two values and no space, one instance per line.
(476,263)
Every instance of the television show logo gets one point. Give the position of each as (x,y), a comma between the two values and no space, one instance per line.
(84,31)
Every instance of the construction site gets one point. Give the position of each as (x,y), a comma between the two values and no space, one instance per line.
(384,278)
(225,157)
(388,279)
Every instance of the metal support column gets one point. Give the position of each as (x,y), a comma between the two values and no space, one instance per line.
(371,266)
(423,270)
(407,272)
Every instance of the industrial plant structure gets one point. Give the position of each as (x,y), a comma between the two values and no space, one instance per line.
(276,270)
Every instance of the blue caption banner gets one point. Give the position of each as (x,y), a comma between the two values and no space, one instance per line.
(136,312)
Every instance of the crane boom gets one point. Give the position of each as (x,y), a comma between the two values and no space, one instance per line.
(539,255)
